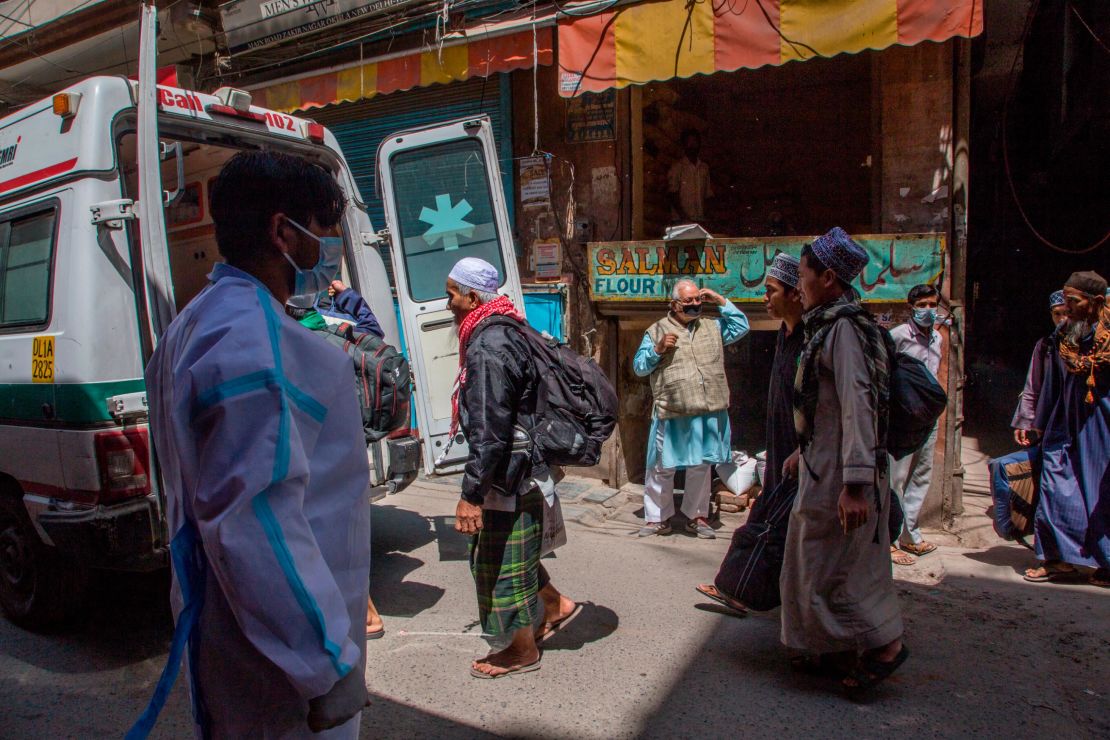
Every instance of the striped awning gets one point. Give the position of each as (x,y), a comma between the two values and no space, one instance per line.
(680,38)
(461,59)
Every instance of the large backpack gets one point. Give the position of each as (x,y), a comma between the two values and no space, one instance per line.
(916,402)
(382,379)
(576,406)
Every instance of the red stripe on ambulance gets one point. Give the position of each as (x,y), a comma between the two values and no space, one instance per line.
(33,177)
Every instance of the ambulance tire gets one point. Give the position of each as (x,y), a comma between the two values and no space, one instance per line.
(39,588)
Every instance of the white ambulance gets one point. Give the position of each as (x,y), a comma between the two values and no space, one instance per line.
(106,233)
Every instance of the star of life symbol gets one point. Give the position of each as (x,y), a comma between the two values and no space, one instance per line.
(447,222)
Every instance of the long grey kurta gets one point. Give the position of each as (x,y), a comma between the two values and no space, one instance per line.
(837,590)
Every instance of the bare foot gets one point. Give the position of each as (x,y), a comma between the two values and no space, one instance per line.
(373,619)
(507,660)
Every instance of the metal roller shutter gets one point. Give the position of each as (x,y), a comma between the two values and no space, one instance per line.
(360,127)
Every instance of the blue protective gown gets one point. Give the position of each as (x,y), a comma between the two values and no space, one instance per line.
(262,451)
(692,440)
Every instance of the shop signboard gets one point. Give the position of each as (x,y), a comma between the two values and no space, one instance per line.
(252,24)
(737,268)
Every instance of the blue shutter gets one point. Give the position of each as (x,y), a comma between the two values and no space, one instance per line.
(361,126)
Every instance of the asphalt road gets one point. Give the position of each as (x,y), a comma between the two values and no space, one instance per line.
(991,655)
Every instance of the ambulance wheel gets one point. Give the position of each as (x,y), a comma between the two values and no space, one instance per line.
(39,588)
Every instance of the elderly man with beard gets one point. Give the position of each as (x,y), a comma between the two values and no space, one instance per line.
(1073,416)
(839,606)
(504,482)
(684,356)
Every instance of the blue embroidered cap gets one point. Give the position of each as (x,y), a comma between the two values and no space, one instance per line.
(841,254)
(1056,299)
(784,268)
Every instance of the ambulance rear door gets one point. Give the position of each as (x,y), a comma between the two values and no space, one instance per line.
(441,188)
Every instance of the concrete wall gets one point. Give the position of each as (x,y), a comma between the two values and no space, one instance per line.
(912,92)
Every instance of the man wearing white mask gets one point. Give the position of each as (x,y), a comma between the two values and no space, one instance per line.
(910,477)
(264,461)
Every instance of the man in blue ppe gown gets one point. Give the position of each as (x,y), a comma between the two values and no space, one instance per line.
(262,451)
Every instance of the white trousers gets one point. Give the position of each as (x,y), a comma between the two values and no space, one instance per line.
(659,493)
(910,478)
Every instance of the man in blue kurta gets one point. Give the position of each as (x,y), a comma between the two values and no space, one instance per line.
(1073,517)
(683,354)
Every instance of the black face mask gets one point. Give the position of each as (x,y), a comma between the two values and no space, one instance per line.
(693,309)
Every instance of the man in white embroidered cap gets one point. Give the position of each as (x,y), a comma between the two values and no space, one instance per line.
(503,487)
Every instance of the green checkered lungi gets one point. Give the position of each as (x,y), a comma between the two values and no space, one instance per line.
(505,563)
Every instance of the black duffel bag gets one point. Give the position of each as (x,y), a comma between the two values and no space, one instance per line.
(750,570)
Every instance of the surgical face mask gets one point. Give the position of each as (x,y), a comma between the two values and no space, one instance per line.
(692,309)
(326,268)
(925,316)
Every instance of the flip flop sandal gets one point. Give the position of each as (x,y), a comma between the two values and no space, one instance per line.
(519,669)
(920,550)
(376,634)
(1051,574)
(869,673)
(553,628)
(906,560)
(738,609)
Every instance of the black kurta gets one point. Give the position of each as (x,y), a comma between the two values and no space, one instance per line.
(782,440)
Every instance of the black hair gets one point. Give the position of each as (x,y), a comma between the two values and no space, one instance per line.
(253,186)
(687,133)
(918,292)
(818,266)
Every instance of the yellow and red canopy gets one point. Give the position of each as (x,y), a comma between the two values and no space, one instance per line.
(680,38)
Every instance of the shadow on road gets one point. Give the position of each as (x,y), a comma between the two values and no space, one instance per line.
(396,532)
(384,717)
(593,624)
(1005,556)
(1040,655)
(128,620)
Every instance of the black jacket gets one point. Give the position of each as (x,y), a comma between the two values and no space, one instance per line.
(495,412)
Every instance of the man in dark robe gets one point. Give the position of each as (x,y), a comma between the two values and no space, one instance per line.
(1073,414)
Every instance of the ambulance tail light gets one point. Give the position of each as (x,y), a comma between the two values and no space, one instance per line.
(123,458)
(314,132)
(235,103)
(65,104)
(227,110)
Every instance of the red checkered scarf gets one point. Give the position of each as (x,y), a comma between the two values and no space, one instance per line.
(501,306)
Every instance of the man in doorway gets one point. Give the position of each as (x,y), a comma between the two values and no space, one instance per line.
(783,301)
(684,356)
(265,468)
(1073,519)
(838,601)
(503,486)
(688,184)
(910,476)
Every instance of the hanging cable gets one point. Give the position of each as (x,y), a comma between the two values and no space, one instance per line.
(1010,85)
(1090,30)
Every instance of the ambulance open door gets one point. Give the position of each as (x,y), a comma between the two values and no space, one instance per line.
(441,188)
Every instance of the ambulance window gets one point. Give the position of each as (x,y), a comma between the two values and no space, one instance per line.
(26,246)
(445,210)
